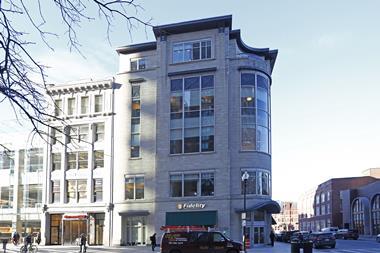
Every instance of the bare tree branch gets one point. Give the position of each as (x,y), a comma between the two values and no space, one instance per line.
(22,77)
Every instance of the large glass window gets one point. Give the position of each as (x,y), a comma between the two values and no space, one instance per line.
(192,184)
(255,112)
(56,191)
(31,195)
(192,115)
(79,133)
(135,122)
(35,159)
(134,187)
(138,64)
(77,160)
(358,215)
(376,215)
(70,106)
(191,51)
(76,190)
(6,196)
(258,182)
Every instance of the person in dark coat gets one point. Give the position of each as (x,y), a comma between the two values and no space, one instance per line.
(38,240)
(83,240)
(271,238)
(153,241)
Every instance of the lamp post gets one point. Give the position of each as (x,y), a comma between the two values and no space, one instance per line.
(244,178)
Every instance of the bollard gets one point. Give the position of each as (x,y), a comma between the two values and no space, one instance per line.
(307,247)
(295,247)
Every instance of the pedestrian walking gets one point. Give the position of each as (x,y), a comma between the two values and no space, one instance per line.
(83,240)
(271,238)
(153,241)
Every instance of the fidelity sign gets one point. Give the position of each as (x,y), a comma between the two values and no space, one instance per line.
(182,206)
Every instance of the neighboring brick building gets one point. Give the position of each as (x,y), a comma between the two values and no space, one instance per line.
(327,203)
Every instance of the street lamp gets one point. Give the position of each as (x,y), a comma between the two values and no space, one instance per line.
(244,178)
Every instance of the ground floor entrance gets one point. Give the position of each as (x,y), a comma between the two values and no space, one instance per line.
(65,229)
(134,230)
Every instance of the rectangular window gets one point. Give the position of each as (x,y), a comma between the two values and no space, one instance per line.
(82,190)
(70,106)
(135,122)
(76,191)
(138,64)
(98,190)
(207,184)
(71,160)
(35,159)
(71,191)
(79,133)
(6,197)
(99,131)
(7,160)
(192,115)
(258,182)
(98,103)
(83,160)
(58,107)
(56,191)
(192,184)
(84,105)
(134,187)
(56,161)
(56,135)
(191,51)
(99,159)
(31,195)
(77,160)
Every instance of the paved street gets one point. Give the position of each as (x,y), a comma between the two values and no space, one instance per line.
(342,246)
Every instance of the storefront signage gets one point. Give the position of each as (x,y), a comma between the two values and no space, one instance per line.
(182,206)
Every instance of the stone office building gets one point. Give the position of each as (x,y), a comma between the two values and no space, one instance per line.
(192,114)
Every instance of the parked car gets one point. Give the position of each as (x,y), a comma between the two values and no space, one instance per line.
(304,235)
(198,241)
(378,238)
(323,239)
(347,234)
(287,236)
(330,229)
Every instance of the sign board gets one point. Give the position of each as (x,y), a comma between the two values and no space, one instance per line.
(243,223)
(182,206)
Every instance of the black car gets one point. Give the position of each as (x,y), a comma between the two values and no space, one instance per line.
(199,241)
(323,239)
(287,236)
(301,236)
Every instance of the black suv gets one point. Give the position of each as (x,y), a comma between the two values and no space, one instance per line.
(198,241)
(322,239)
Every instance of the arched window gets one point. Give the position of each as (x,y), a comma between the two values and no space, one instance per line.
(376,215)
(358,215)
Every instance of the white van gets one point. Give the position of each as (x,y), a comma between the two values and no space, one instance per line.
(330,229)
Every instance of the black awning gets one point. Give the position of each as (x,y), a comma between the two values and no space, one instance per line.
(273,221)
(200,218)
(134,213)
(269,205)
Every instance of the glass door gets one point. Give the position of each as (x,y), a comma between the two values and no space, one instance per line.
(136,231)
(258,236)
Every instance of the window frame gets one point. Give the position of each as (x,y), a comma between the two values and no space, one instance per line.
(200,126)
(94,199)
(182,43)
(69,112)
(138,61)
(199,183)
(256,110)
(134,187)
(87,105)
(101,95)
(133,134)
(258,181)
(77,167)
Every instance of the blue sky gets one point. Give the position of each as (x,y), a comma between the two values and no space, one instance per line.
(325,106)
